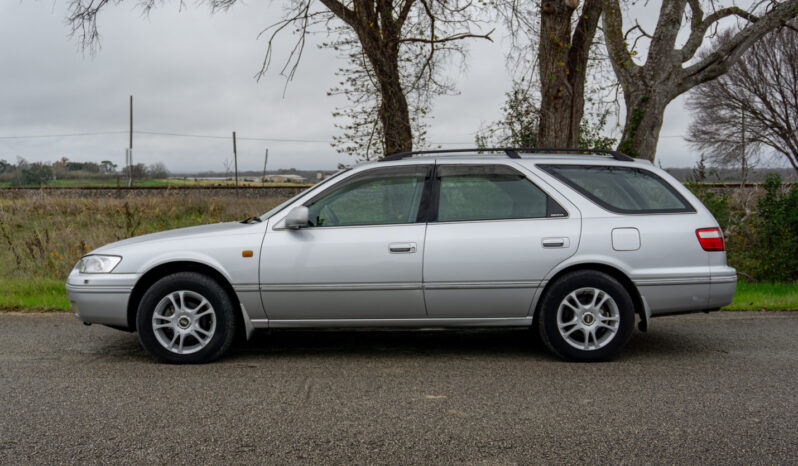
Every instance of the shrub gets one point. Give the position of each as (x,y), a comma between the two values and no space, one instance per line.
(761,233)
(776,231)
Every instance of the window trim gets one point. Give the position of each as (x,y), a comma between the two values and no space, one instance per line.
(549,168)
(355,177)
(436,196)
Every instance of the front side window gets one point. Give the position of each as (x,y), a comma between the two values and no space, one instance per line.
(621,189)
(375,197)
(492,192)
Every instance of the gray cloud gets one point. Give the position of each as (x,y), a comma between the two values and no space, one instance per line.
(192,72)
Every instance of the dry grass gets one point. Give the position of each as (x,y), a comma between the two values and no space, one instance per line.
(43,237)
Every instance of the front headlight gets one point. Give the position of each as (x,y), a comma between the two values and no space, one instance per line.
(98,264)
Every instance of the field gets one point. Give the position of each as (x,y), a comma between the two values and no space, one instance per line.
(158,182)
(42,237)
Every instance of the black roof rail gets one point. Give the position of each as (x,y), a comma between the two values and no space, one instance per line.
(511,152)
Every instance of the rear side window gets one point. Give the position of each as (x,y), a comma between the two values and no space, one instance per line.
(478,192)
(625,190)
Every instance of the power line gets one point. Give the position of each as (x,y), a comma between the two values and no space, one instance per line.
(63,135)
(209,136)
(185,135)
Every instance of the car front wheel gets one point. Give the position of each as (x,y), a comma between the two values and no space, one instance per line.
(186,317)
(586,316)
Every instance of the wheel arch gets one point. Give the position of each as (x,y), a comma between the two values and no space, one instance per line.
(610,270)
(168,268)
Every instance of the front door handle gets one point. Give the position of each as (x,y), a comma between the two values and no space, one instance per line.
(402,248)
(555,242)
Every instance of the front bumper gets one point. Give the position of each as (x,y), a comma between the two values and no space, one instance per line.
(100,298)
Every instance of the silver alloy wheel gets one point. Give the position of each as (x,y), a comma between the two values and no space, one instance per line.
(588,319)
(184,322)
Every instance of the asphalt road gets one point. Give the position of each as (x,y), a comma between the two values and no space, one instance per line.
(718,388)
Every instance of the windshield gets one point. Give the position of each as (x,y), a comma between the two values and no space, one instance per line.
(285,204)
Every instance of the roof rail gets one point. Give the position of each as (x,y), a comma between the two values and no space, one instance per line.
(511,152)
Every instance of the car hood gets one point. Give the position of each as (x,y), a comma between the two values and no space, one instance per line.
(221,229)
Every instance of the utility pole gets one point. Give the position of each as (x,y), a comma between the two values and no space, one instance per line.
(743,161)
(235,158)
(265,159)
(130,148)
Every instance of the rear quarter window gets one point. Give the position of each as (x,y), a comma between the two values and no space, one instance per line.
(626,190)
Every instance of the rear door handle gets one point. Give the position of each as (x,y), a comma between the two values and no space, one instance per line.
(555,242)
(402,248)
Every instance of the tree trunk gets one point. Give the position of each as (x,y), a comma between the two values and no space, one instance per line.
(394,114)
(554,129)
(667,71)
(562,64)
(644,114)
(383,54)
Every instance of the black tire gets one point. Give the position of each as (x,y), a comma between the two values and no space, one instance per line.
(223,308)
(571,282)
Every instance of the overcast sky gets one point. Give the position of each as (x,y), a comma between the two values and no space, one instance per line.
(193,73)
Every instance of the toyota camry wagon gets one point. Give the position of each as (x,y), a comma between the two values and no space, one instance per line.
(575,245)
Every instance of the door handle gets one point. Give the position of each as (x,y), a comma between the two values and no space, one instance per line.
(402,248)
(555,242)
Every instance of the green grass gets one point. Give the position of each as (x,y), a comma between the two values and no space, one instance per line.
(46,294)
(765,296)
(41,294)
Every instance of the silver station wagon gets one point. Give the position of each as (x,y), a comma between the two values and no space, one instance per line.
(575,245)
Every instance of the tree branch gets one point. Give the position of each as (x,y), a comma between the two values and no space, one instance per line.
(625,68)
(722,59)
(699,26)
(464,35)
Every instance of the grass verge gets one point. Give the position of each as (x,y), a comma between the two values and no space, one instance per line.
(41,294)
(45,294)
(765,296)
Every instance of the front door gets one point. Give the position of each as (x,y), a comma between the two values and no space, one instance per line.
(360,256)
(495,237)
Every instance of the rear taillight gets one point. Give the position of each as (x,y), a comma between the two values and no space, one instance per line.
(711,239)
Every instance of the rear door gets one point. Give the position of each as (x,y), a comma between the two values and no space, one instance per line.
(492,238)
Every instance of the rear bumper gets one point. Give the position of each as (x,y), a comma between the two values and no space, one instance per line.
(695,293)
(722,286)
(100,298)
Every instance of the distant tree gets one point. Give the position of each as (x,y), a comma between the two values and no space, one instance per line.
(5,165)
(108,167)
(754,105)
(32,174)
(158,170)
(140,171)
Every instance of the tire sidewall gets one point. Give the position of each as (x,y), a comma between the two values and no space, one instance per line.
(210,290)
(550,332)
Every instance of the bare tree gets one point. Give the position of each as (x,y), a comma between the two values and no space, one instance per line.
(382,28)
(669,70)
(754,105)
(359,120)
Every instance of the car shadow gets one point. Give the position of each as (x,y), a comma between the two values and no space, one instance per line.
(389,343)
(460,344)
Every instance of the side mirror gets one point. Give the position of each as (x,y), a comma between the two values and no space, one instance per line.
(297,218)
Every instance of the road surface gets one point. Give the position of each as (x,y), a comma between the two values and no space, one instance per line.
(702,388)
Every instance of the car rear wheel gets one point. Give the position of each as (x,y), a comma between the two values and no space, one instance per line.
(586,316)
(186,317)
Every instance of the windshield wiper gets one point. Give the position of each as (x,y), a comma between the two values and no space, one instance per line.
(252,219)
